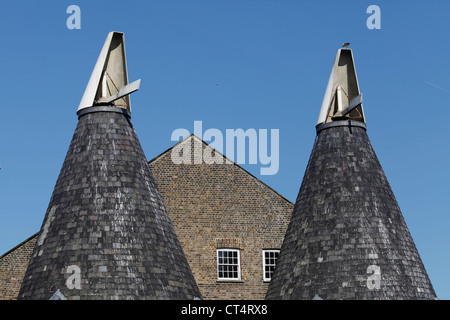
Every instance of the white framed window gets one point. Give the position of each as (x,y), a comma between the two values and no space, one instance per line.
(270,258)
(228,265)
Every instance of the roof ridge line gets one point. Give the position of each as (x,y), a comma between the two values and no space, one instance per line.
(19,245)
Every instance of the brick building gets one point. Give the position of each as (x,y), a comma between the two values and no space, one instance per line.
(226,220)
(230,226)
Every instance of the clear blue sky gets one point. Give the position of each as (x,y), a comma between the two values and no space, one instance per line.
(233,64)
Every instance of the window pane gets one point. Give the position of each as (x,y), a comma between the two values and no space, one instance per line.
(228,264)
(269,261)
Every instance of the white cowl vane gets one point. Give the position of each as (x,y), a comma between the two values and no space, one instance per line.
(342,100)
(108,84)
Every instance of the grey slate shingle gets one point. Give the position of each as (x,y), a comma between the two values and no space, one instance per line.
(346,224)
(106,216)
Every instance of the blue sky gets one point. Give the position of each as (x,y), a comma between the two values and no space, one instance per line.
(233,64)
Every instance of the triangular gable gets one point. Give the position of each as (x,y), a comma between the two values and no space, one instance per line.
(226,161)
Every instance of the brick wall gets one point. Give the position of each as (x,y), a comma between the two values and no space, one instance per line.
(221,206)
(13,265)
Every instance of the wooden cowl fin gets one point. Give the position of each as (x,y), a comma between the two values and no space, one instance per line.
(108,83)
(342,90)
(347,238)
(106,233)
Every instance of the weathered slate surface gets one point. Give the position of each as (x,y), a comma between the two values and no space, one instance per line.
(347,238)
(106,217)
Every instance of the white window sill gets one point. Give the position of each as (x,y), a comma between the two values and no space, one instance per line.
(230,280)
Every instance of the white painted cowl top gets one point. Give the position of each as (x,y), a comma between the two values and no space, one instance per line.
(342,98)
(108,83)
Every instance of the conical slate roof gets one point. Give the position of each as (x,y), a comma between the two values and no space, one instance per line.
(106,233)
(347,238)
